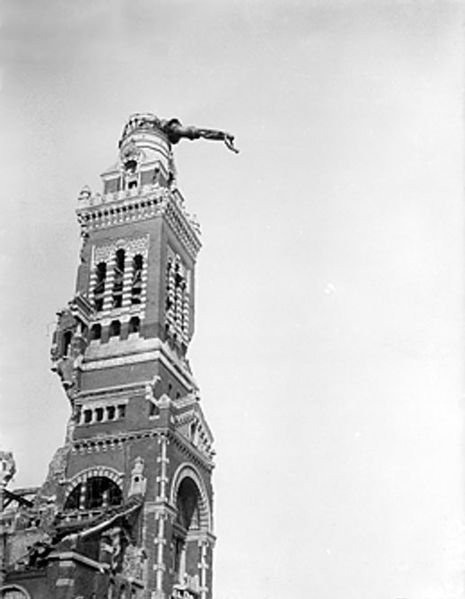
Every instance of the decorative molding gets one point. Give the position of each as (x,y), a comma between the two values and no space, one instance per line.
(137,205)
(163,460)
(131,245)
(84,475)
(160,352)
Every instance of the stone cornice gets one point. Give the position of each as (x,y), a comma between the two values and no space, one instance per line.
(97,212)
(153,349)
(187,448)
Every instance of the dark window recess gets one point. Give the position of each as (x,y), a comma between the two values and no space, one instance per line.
(67,342)
(99,414)
(117,300)
(96,332)
(153,409)
(73,500)
(130,165)
(136,284)
(115,328)
(111,412)
(96,492)
(87,416)
(99,289)
(132,184)
(134,325)
(121,411)
(98,304)
(118,279)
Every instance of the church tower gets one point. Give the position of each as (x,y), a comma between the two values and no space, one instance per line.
(132,487)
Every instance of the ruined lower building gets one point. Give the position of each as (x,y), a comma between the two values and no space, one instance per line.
(126,509)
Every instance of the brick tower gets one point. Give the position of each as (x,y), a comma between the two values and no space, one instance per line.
(126,510)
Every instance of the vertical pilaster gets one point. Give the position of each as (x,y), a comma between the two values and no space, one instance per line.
(203,569)
(160,542)
(108,293)
(127,279)
(163,460)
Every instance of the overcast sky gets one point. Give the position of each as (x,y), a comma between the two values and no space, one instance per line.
(329,346)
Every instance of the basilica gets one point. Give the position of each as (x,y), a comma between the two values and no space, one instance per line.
(126,508)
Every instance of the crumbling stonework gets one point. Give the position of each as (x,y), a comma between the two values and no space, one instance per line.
(126,508)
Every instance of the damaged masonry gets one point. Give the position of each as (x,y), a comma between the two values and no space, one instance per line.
(126,508)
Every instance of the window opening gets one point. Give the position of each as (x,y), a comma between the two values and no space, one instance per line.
(99,289)
(96,492)
(111,412)
(136,285)
(121,411)
(118,279)
(87,416)
(153,409)
(96,332)
(177,303)
(115,328)
(134,325)
(67,342)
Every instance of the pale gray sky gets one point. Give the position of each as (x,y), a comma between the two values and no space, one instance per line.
(329,346)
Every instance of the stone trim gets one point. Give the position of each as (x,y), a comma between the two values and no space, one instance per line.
(192,452)
(133,206)
(84,475)
(159,353)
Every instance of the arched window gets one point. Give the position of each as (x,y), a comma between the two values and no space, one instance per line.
(94,493)
(99,289)
(120,260)
(187,504)
(67,342)
(115,328)
(187,521)
(134,325)
(136,285)
(118,278)
(96,332)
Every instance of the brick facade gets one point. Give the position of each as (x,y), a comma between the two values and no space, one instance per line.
(126,510)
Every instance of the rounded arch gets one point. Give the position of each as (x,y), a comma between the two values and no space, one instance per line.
(13,591)
(101,471)
(188,471)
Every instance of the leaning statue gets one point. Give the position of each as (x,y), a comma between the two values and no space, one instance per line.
(175,130)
